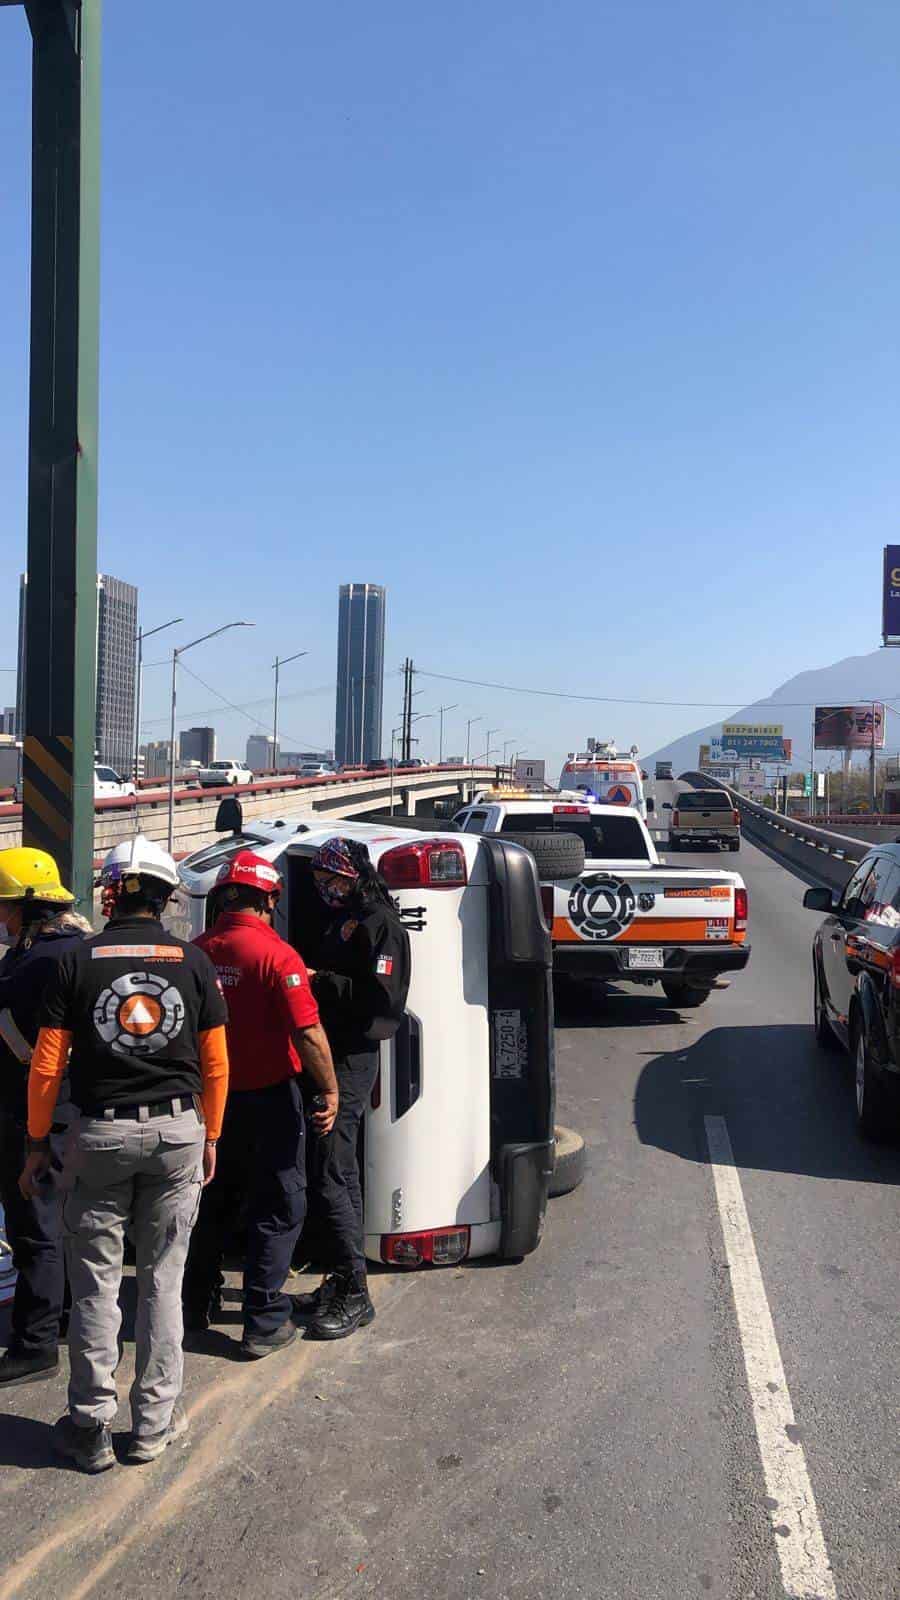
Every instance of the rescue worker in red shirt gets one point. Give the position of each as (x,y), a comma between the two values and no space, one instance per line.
(274,1033)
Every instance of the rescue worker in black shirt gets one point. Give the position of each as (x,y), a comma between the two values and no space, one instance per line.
(360,988)
(144,1018)
(36,917)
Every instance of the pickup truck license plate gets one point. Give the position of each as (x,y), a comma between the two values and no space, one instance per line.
(510,1045)
(654,960)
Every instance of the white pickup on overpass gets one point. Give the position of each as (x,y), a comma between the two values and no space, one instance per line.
(341,795)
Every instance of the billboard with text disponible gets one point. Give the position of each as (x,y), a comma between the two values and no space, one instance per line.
(765,740)
(849,727)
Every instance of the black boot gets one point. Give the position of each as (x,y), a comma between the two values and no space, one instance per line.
(90,1448)
(20,1366)
(308,1305)
(255,1347)
(350,1308)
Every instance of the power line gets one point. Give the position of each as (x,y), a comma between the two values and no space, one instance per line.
(625,700)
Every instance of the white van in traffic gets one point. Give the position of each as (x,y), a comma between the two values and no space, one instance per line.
(459,1139)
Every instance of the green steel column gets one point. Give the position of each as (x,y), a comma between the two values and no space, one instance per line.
(61,616)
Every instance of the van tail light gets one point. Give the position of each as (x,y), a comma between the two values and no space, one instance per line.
(547,903)
(427,865)
(674,819)
(736,818)
(741,910)
(441,1247)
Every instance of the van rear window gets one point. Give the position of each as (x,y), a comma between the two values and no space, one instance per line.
(615,838)
(704,800)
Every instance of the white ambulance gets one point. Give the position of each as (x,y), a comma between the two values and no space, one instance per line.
(602,774)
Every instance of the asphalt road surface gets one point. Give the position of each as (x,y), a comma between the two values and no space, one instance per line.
(589,1423)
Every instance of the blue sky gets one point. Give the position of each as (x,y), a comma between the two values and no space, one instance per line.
(574,323)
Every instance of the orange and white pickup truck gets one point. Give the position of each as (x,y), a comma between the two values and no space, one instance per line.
(614,909)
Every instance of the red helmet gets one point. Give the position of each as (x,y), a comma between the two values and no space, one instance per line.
(250,871)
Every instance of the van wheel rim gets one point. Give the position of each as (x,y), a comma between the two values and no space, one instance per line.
(860,1074)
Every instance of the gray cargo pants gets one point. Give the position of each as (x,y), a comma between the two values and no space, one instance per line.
(146,1176)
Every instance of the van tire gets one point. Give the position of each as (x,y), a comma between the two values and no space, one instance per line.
(569,1162)
(556,855)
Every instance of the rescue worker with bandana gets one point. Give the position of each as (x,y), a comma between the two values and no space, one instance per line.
(360,988)
(36,917)
(144,1018)
(274,1036)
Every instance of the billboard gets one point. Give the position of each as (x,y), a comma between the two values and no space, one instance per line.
(849,727)
(890,595)
(530,774)
(765,740)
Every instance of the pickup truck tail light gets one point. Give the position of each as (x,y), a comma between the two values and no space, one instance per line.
(443,1247)
(427,865)
(674,819)
(736,818)
(741,910)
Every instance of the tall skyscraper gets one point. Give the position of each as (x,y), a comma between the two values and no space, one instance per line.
(117,604)
(360,673)
(8,720)
(197,744)
(117,609)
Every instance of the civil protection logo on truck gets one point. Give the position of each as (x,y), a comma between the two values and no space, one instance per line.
(601,907)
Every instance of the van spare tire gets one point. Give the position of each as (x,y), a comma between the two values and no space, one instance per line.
(556,855)
(569,1163)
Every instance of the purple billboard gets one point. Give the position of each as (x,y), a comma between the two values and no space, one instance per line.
(890,595)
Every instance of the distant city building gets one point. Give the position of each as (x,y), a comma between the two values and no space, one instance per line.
(197,744)
(360,673)
(117,604)
(8,720)
(156,759)
(260,755)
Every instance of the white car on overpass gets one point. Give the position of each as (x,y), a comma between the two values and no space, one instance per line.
(224,774)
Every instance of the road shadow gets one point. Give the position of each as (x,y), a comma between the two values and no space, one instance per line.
(789,1105)
(582,1003)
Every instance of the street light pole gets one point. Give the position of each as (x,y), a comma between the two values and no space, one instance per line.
(277,664)
(441,710)
(487,753)
(142,634)
(469,735)
(179,651)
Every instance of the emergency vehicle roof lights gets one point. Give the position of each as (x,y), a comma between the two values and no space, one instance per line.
(429,864)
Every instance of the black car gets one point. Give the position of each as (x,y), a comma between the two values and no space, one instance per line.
(856,983)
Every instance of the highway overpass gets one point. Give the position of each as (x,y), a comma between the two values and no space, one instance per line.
(339,795)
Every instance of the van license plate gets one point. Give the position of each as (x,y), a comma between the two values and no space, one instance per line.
(652,960)
(510,1044)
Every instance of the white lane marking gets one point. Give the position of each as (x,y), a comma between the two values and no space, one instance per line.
(805,1567)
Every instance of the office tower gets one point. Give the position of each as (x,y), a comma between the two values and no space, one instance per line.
(156,759)
(117,604)
(117,609)
(360,673)
(8,720)
(197,744)
(260,753)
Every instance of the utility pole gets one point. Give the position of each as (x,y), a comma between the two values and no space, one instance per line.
(406,737)
(61,605)
(872,779)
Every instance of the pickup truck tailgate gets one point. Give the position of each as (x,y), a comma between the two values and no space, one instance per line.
(606,906)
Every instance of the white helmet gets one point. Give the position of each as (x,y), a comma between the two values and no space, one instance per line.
(138,858)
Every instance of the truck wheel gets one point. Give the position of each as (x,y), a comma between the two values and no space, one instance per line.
(735,845)
(556,855)
(685,995)
(569,1162)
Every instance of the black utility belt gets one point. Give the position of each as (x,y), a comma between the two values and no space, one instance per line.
(142,1112)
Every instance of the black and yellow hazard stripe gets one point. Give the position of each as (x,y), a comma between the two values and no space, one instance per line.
(47,792)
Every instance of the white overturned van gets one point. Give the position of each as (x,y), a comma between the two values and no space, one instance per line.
(458,1139)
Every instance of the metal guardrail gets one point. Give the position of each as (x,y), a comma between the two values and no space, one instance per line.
(817,852)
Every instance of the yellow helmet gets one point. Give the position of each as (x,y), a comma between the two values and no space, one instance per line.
(31,875)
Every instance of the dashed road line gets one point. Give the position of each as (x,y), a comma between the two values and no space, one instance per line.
(802,1553)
